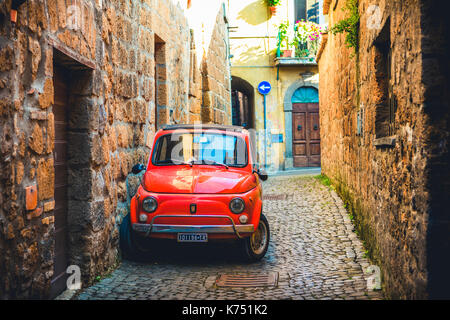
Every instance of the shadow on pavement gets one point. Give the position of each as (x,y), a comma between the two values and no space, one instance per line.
(171,252)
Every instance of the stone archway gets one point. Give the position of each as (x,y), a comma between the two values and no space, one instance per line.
(243,110)
(287,107)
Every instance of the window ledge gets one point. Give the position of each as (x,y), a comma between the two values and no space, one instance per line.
(385,142)
(293,61)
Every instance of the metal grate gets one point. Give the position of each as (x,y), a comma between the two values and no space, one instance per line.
(248,280)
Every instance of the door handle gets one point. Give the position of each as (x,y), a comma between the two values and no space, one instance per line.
(299,127)
(316,127)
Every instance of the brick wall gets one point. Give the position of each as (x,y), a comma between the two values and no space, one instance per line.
(129,64)
(388,185)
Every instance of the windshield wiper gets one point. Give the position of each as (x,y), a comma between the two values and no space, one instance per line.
(214,163)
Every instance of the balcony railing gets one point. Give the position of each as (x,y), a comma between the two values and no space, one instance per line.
(299,42)
(303,53)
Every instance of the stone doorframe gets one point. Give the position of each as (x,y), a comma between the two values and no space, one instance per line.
(287,107)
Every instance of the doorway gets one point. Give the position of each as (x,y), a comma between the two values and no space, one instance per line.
(305,127)
(73,110)
(60,113)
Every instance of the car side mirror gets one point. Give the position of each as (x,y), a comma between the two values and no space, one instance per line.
(262,174)
(137,168)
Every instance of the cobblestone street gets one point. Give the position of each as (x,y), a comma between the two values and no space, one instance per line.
(313,249)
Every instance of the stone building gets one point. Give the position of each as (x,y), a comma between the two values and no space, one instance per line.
(84,85)
(384,115)
(292,74)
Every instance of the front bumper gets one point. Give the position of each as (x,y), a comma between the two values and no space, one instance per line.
(165,228)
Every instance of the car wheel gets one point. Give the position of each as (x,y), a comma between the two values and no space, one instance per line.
(132,245)
(255,246)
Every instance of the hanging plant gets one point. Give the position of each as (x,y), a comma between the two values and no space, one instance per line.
(350,25)
(272,4)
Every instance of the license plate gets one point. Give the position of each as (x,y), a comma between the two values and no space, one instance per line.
(192,237)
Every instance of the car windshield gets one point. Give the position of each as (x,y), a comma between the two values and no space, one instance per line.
(200,149)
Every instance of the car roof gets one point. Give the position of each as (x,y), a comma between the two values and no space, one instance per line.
(204,127)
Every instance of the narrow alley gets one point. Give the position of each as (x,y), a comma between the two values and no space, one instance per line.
(313,250)
(139,137)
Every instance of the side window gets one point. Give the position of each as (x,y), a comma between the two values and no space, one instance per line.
(163,154)
(300,10)
(240,149)
(252,148)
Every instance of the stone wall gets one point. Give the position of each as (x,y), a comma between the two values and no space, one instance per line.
(131,68)
(390,179)
(216,77)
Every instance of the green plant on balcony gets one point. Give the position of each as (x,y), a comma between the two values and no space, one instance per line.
(307,35)
(283,38)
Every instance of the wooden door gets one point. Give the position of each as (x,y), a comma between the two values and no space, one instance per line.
(306,135)
(60,113)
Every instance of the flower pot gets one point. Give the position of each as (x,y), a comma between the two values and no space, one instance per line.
(273,10)
(287,54)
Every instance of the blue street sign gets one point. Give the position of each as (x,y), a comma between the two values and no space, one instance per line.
(264,87)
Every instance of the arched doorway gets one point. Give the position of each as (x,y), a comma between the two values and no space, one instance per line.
(242,98)
(301,118)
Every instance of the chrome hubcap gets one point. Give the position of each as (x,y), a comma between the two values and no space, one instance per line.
(258,240)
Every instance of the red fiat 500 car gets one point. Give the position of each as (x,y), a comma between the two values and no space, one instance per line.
(201,184)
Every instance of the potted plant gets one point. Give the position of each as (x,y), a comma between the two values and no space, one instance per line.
(272,4)
(307,35)
(283,39)
(287,53)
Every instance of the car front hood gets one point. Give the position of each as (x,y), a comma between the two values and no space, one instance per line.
(198,179)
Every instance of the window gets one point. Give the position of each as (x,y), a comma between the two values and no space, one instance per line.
(386,106)
(200,149)
(300,10)
(306,10)
(305,95)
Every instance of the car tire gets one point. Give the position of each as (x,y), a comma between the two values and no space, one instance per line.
(255,246)
(132,245)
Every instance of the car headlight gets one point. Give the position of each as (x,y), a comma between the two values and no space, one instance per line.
(149,204)
(237,205)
